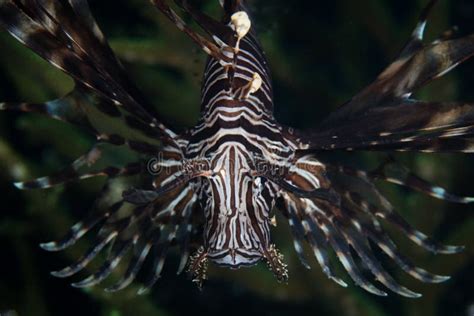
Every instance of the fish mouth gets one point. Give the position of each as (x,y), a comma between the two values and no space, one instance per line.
(235,258)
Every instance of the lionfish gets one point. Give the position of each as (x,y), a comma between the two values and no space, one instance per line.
(210,191)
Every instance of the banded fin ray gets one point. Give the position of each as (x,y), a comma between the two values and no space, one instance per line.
(89,255)
(355,229)
(367,197)
(363,250)
(393,172)
(183,234)
(206,45)
(297,230)
(416,65)
(319,243)
(89,165)
(95,67)
(369,228)
(207,23)
(415,43)
(381,239)
(179,208)
(62,109)
(140,231)
(410,125)
(341,247)
(119,250)
(396,121)
(81,228)
(97,116)
(141,251)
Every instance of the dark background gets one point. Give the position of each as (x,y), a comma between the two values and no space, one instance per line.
(321,53)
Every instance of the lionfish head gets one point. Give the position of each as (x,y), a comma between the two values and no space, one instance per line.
(237,216)
(237,199)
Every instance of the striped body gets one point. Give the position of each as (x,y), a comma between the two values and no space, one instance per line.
(235,130)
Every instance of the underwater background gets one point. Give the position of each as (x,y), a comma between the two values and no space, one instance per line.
(320,53)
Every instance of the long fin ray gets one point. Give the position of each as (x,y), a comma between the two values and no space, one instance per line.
(366,256)
(117,254)
(86,166)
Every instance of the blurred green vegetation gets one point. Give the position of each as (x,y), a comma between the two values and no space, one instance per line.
(321,53)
